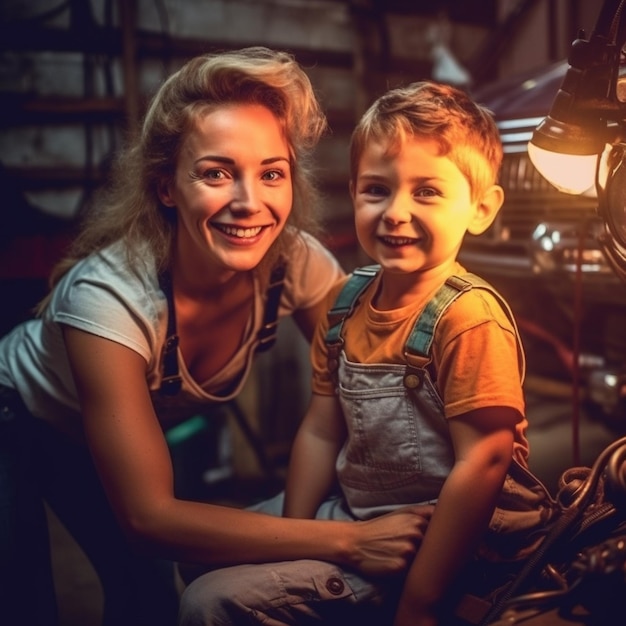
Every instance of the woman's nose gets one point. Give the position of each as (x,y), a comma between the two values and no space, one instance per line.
(245,197)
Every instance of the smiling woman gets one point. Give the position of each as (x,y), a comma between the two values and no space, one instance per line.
(156,314)
(232,192)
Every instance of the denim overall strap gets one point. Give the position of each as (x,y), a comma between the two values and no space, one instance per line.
(347,299)
(344,304)
(171,381)
(421,337)
(267,333)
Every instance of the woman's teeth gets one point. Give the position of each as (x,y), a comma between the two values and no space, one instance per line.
(242,233)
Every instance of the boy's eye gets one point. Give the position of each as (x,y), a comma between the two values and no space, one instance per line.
(374,190)
(427,192)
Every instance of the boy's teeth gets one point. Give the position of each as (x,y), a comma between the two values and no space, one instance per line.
(397,241)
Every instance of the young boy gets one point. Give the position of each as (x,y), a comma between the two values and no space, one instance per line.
(417,372)
(428,411)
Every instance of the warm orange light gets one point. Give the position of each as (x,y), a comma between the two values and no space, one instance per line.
(570,173)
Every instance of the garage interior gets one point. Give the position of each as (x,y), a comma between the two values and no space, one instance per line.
(76,76)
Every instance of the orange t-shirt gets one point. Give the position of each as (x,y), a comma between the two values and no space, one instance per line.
(474,351)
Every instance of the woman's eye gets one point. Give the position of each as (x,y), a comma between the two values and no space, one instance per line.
(273,175)
(214,174)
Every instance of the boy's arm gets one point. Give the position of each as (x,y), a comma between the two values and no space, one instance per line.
(317,443)
(483,448)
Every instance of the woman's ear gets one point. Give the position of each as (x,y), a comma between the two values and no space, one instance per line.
(486,210)
(164,194)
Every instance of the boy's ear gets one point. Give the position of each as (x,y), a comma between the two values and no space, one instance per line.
(486,210)
(351,188)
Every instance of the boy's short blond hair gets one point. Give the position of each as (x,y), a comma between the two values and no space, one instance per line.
(465,130)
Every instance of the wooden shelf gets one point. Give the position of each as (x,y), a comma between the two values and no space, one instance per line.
(39,177)
(20,109)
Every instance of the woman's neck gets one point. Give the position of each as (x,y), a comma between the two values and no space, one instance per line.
(193,278)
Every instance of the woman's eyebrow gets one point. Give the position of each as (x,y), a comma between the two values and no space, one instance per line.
(214,157)
(229,161)
(274,160)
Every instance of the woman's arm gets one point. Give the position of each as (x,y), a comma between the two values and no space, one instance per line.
(311,473)
(483,447)
(133,461)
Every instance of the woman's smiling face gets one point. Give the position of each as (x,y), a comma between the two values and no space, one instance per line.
(232,188)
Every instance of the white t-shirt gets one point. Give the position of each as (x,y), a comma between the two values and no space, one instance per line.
(103,294)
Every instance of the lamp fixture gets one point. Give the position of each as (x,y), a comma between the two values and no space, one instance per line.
(586,113)
(581,143)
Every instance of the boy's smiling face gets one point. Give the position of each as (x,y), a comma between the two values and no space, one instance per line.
(414,206)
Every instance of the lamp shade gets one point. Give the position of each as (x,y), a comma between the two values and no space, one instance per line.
(565,149)
(580,136)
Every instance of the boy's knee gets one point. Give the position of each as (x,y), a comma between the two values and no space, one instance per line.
(292,592)
(211,599)
(191,611)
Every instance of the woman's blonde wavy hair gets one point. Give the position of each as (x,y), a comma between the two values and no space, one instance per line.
(129,208)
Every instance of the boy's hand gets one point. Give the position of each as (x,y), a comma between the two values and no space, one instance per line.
(386,545)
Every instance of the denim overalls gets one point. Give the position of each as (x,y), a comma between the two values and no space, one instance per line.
(398,449)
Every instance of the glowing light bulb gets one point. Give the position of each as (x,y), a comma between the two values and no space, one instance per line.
(569,173)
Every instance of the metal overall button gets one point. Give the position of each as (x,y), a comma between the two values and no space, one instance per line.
(335,585)
(412,380)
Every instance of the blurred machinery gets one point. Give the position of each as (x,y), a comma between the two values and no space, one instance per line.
(560,257)
(578,574)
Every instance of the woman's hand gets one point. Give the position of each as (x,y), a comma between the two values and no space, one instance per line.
(387,544)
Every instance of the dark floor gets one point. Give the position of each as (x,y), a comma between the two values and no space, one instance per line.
(550,435)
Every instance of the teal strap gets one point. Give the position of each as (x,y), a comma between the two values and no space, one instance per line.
(347,299)
(421,337)
(420,340)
